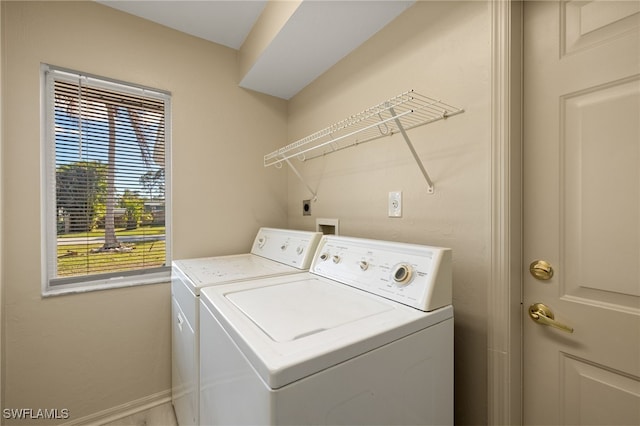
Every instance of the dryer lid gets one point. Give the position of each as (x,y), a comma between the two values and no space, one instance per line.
(303,309)
(205,271)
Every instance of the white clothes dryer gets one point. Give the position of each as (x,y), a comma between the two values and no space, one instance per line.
(365,337)
(274,252)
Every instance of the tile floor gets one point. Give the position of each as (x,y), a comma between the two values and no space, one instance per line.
(161,415)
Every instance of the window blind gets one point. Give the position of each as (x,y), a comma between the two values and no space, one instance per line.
(107,203)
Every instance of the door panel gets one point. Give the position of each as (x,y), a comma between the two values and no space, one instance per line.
(587,23)
(600,196)
(582,210)
(592,395)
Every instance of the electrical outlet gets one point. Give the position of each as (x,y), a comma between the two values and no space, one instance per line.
(306,207)
(395,204)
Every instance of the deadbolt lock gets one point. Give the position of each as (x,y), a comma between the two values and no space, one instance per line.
(541,270)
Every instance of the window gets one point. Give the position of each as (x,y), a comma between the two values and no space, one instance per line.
(106,183)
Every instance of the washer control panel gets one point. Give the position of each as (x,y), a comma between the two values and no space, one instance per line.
(415,275)
(294,248)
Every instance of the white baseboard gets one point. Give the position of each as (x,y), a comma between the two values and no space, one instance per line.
(124,410)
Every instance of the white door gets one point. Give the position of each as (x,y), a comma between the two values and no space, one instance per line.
(582,211)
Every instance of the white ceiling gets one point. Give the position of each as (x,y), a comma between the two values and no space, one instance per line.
(314,38)
(225,22)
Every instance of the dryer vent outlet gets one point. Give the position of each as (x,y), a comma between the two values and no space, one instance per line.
(306,207)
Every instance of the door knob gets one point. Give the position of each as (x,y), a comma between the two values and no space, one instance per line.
(542,314)
(541,270)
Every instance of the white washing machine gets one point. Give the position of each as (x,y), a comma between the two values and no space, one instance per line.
(274,252)
(365,337)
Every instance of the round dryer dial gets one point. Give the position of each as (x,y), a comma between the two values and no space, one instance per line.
(402,274)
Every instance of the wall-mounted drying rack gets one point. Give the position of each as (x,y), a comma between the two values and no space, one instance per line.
(396,115)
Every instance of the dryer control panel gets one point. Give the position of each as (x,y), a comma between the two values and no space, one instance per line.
(291,247)
(415,275)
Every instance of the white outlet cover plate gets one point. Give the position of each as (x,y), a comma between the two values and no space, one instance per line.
(395,204)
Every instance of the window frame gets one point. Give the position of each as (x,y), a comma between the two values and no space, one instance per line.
(48,190)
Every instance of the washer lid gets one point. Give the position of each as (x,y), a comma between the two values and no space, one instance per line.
(303,308)
(291,327)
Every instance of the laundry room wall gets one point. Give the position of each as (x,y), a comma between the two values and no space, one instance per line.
(1,204)
(440,49)
(99,353)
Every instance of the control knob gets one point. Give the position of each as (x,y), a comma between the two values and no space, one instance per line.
(402,274)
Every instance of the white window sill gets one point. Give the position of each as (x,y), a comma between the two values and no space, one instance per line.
(107,284)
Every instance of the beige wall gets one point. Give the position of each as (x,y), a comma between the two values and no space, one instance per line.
(441,49)
(270,22)
(95,351)
(1,204)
